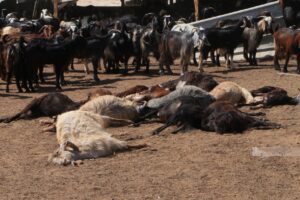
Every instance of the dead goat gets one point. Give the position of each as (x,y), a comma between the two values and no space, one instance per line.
(269,96)
(223,117)
(49,105)
(185,112)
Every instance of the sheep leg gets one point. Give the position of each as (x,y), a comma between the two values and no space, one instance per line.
(116,122)
(136,146)
(51,128)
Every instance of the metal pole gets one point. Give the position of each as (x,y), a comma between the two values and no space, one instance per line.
(34,9)
(55,8)
(196,4)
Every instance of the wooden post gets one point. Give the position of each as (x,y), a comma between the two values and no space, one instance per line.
(34,9)
(196,4)
(55,8)
(122,3)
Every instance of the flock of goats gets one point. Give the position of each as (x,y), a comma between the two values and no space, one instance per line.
(194,100)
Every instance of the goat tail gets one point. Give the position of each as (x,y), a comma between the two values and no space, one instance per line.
(247,96)
(17,116)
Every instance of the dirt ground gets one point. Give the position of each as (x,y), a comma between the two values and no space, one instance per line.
(192,165)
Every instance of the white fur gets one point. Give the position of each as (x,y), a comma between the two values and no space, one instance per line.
(86,131)
(112,106)
(232,92)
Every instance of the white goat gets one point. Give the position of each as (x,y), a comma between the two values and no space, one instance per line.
(232,92)
(81,135)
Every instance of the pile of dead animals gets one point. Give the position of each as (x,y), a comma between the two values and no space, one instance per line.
(193,101)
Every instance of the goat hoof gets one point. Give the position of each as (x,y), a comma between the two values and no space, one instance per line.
(284,70)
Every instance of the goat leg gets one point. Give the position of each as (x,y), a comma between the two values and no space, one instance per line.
(149,121)
(160,129)
(287,58)
(257,114)
(265,124)
(136,146)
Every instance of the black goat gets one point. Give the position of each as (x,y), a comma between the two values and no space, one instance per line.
(227,39)
(223,117)
(184,111)
(39,53)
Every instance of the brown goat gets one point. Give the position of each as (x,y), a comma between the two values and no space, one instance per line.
(288,41)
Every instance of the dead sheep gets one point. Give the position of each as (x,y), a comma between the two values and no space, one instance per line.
(232,92)
(82,135)
(112,106)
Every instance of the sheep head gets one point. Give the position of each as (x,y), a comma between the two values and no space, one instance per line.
(64,155)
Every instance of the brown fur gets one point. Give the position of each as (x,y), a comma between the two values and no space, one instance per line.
(287,41)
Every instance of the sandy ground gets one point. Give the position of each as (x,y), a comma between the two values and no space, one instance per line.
(193,165)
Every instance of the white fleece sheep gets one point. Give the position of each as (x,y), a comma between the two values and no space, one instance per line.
(112,106)
(82,135)
(232,92)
